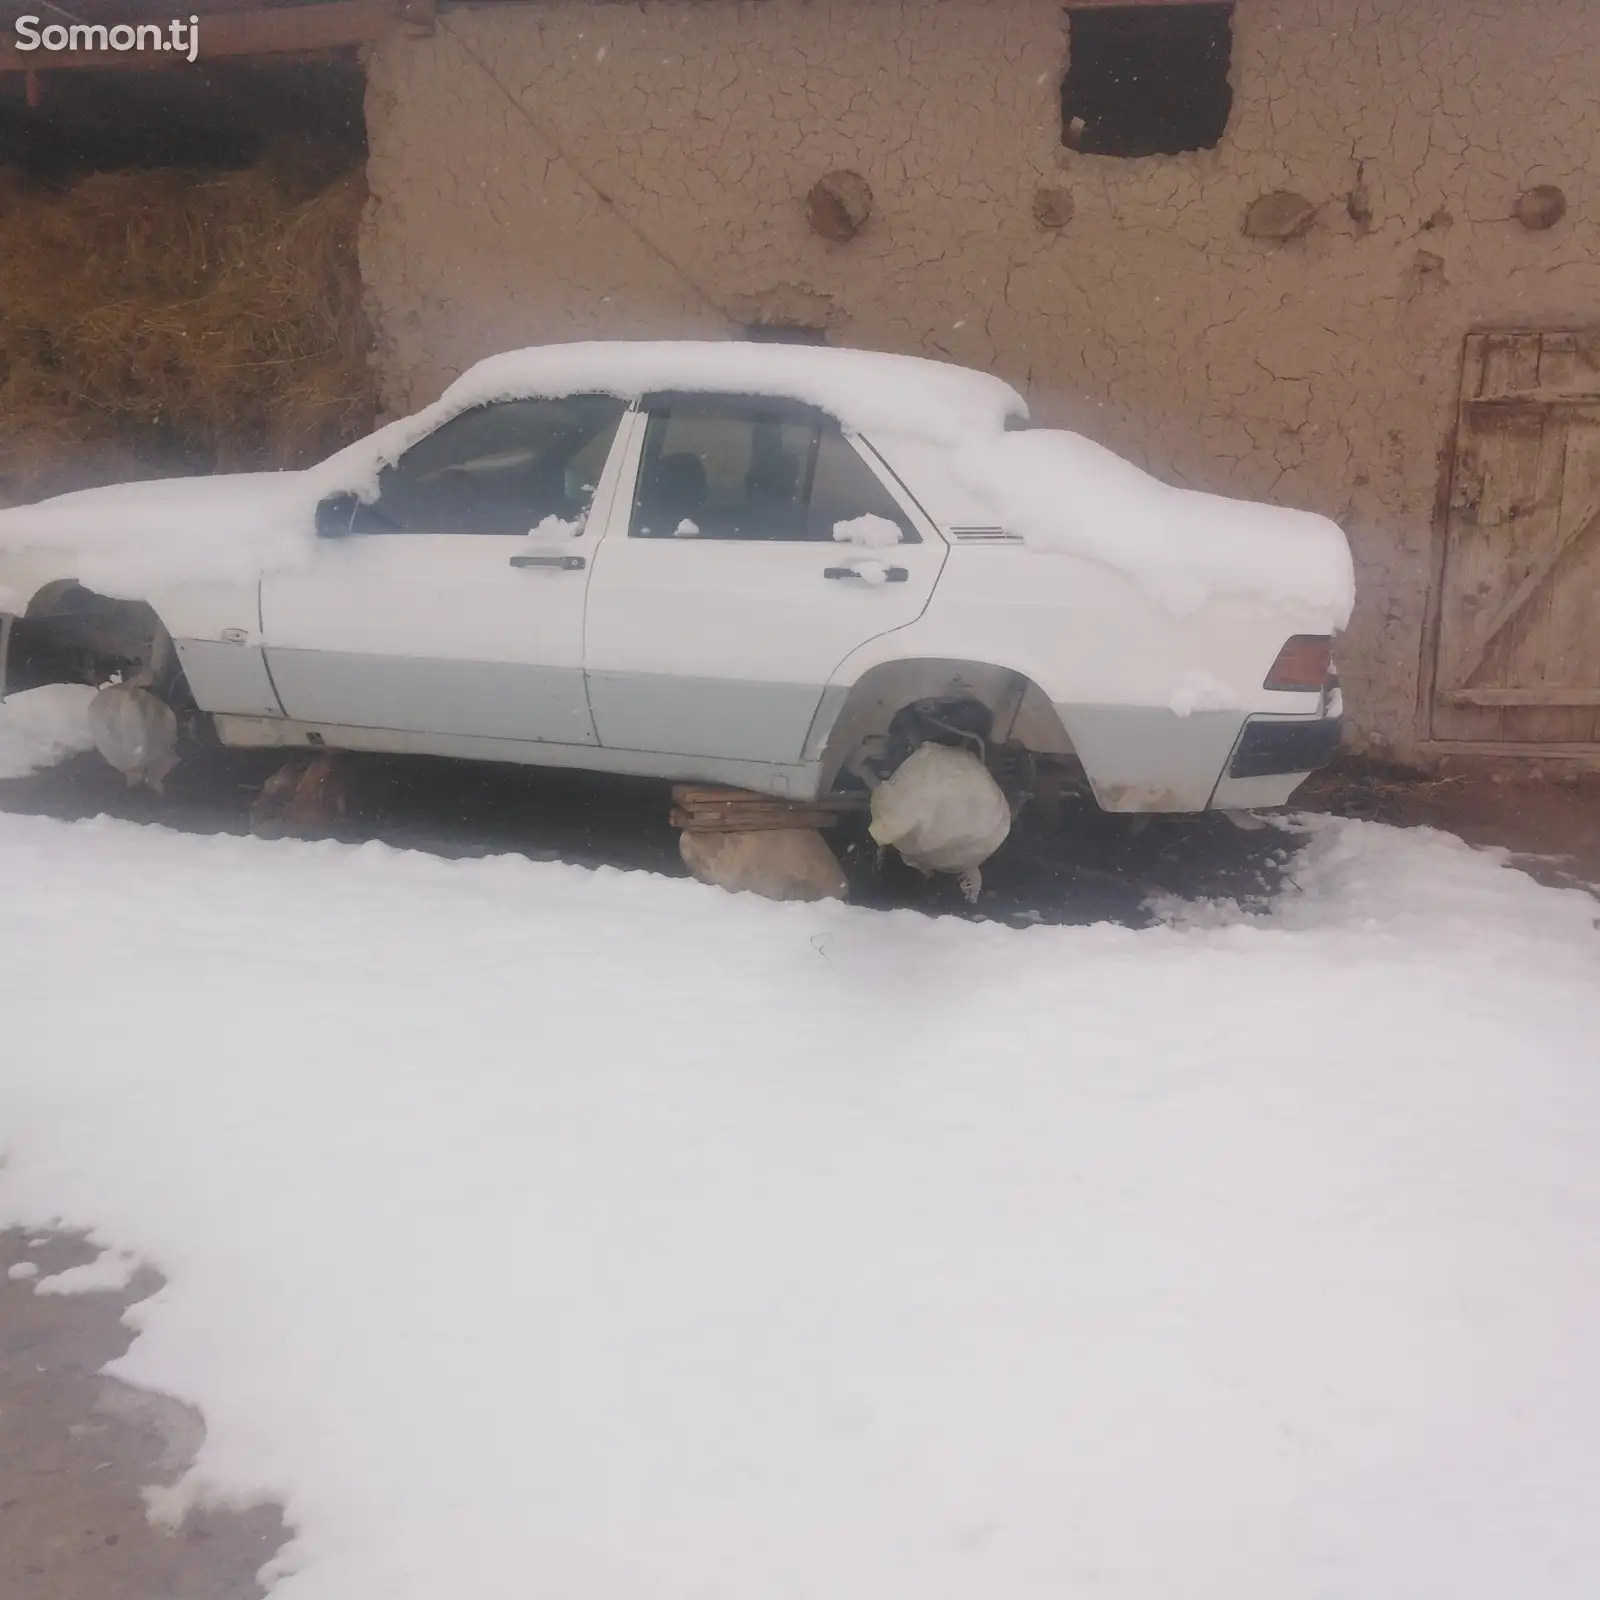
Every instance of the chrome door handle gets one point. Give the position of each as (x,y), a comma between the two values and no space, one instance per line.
(565,563)
(890,574)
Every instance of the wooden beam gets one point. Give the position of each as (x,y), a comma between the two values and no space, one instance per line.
(262,31)
(1533,398)
(1589,754)
(703,810)
(1544,695)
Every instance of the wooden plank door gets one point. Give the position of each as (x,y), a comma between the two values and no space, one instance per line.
(1517,646)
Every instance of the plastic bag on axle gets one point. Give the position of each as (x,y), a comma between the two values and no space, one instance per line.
(941,810)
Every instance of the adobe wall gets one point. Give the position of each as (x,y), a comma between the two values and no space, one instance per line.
(578,169)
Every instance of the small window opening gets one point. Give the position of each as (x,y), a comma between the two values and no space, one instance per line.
(1147,80)
(784,333)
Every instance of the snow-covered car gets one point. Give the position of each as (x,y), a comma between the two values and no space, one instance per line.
(777,567)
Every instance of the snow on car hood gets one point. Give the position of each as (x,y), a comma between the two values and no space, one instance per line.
(1060,491)
(131,538)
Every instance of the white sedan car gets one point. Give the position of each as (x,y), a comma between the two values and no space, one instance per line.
(774,567)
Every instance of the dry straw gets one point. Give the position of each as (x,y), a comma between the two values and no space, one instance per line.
(156,322)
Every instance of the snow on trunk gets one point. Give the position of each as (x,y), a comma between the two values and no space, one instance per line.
(1060,491)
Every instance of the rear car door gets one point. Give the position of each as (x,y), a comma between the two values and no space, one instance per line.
(721,599)
(453,603)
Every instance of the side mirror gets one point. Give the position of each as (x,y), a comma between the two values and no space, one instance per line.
(336,515)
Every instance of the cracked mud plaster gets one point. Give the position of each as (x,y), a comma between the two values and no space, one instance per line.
(592,169)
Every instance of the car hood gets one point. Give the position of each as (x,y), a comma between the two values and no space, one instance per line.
(128,539)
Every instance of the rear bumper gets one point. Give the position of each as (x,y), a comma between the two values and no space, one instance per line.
(1273,747)
(1272,757)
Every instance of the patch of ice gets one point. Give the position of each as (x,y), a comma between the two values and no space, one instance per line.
(41,727)
(869,531)
(686,530)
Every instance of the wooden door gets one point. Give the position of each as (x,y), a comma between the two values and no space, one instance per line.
(1517,643)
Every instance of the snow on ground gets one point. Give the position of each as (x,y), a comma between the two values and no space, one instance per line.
(536,1231)
(40,727)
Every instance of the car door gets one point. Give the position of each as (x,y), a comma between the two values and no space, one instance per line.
(722,598)
(453,603)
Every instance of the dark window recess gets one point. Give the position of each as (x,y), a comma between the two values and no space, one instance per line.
(1147,80)
(752,469)
(306,117)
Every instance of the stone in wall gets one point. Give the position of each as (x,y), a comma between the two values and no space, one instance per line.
(838,205)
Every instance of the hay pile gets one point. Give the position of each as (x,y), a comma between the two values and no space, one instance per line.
(159,322)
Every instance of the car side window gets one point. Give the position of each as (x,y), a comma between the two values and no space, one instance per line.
(717,468)
(499,469)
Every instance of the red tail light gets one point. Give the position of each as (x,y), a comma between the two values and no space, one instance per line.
(1305,663)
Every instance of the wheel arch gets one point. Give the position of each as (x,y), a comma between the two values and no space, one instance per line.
(68,625)
(852,715)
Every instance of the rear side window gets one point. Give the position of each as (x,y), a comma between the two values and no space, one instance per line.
(499,469)
(753,470)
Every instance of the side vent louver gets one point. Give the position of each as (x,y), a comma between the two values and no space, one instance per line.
(984,536)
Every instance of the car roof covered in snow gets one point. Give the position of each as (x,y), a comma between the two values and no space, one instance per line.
(867,390)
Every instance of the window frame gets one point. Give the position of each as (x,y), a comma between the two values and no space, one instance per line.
(915,525)
(364,517)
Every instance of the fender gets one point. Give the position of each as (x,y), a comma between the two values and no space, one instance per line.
(1099,669)
(1136,758)
(219,659)
(853,711)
